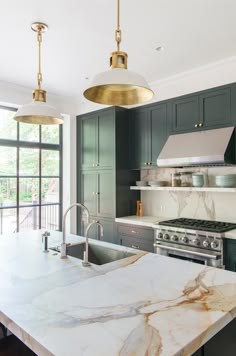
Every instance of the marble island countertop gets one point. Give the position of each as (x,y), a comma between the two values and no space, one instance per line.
(145,304)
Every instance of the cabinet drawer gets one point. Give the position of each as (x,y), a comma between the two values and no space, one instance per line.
(134,231)
(139,244)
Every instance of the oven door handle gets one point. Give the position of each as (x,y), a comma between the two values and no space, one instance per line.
(215,256)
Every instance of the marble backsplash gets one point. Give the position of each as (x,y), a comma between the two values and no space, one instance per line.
(199,205)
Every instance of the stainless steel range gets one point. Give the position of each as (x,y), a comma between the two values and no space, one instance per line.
(194,240)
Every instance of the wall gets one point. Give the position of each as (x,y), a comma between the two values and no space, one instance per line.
(199,205)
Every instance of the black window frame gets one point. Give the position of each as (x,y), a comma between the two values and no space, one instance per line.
(41,146)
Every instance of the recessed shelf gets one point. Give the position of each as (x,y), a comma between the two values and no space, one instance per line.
(187,189)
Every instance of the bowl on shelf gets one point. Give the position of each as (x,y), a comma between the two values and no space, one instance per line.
(141,183)
(158,183)
(198,180)
(226,181)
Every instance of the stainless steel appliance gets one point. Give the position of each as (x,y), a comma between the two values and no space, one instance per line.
(205,147)
(194,240)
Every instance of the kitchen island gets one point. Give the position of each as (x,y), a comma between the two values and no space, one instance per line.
(145,304)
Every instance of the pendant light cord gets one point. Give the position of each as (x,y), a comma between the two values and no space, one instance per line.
(118,30)
(39,75)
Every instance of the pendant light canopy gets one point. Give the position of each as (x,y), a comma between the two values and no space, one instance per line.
(118,86)
(38,111)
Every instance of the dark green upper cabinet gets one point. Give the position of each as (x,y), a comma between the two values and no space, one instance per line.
(209,109)
(89,152)
(215,109)
(97,141)
(185,113)
(148,133)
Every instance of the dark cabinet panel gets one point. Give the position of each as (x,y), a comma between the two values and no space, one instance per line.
(140,138)
(215,109)
(185,113)
(106,193)
(209,109)
(109,233)
(88,146)
(89,186)
(159,132)
(230,254)
(106,140)
(136,237)
(148,134)
(98,192)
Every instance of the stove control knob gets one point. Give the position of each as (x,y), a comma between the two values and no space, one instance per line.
(166,237)
(214,244)
(174,238)
(196,242)
(184,239)
(206,243)
(160,235)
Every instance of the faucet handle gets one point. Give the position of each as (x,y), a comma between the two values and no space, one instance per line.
(45,234)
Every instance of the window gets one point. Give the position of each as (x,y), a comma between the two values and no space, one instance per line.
(30,175)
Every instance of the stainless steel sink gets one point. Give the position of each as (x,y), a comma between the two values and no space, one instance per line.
(98,255)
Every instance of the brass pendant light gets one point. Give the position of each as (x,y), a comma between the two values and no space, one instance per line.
(118,86)
(38,111)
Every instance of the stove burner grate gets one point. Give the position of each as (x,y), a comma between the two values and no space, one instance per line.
(197,224)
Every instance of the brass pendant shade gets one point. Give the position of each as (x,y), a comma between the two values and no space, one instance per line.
(118,85)
(38,111)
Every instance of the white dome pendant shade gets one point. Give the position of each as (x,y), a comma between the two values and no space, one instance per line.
(38,111)
(118,86)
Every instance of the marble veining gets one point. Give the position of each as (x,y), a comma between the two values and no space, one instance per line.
(200,205)
(143,305)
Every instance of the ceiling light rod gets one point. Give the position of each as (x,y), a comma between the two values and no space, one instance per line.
(39,94)
(39,112)
(118,30)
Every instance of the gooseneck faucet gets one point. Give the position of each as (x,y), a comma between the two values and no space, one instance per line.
(63,244)
(85,261)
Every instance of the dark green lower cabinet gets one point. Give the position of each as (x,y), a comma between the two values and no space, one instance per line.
(136,237)
(222,344)
(109,231)
(230,255)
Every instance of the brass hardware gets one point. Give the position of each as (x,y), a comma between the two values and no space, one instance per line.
(201,124)
(145,163)
(196,125)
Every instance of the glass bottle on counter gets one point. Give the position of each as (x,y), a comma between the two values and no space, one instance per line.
(186,179)
(175,180)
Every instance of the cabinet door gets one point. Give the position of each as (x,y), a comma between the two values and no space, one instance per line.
(89,154)
(185,114)
(158,117)
(215,109)
(230,255)
(139,244)
(89,191)
(140,139)
(106,194)
(106,140)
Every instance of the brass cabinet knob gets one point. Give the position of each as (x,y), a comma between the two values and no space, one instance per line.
(150,163)
(201,124)
(196,125)
(145,163)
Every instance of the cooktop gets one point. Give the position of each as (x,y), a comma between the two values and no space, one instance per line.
(197,224)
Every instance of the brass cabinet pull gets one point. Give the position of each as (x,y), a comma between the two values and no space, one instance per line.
(135,246)
(201,124)
(196,125)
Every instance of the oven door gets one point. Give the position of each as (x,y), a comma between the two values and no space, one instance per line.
(197,255)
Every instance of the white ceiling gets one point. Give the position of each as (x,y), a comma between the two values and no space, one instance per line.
(81,36)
